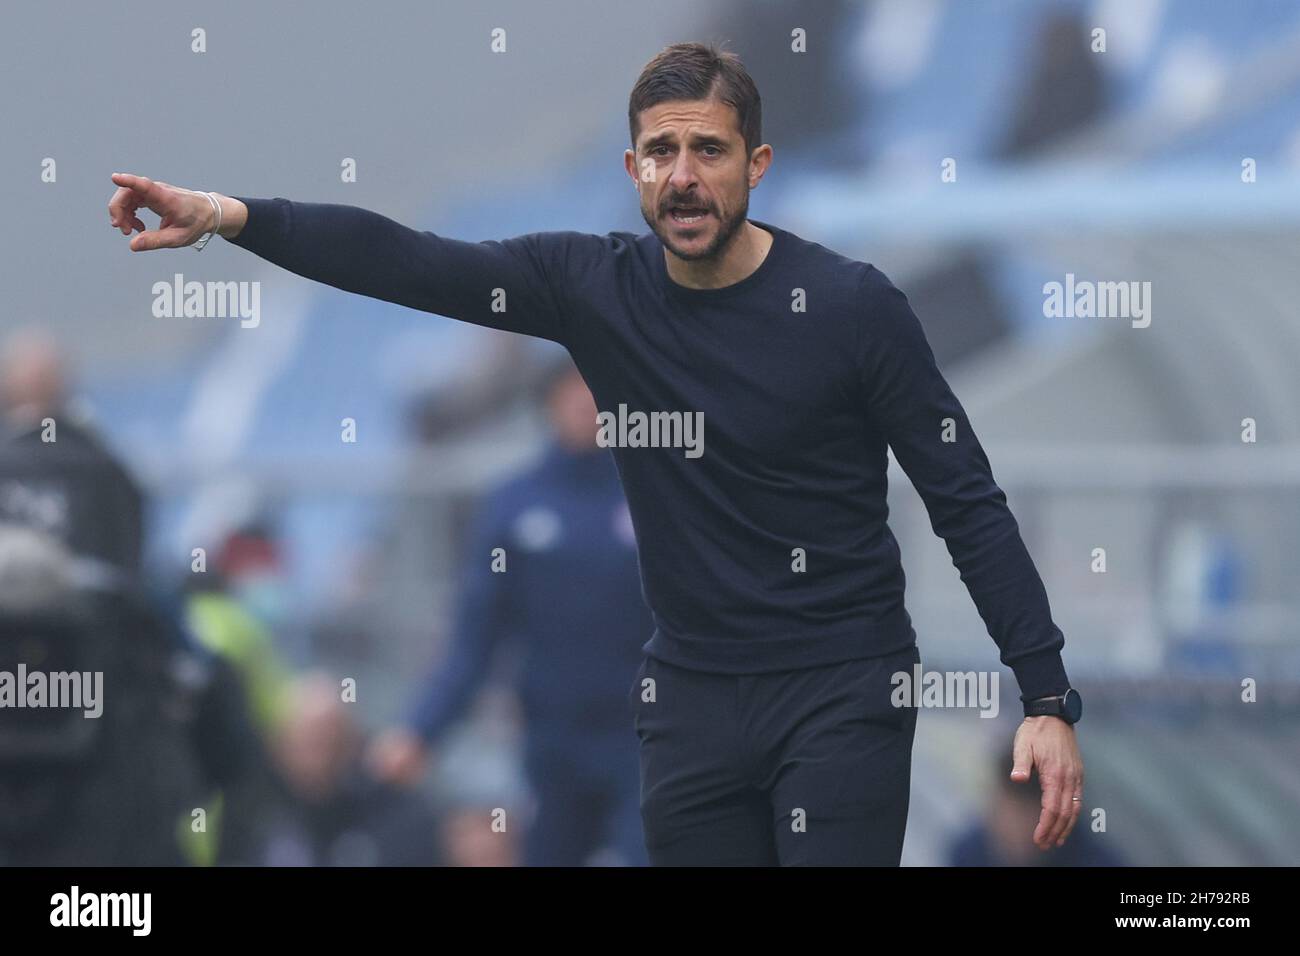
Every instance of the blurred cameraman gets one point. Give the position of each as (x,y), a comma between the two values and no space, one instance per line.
(66,481)
(79,787)
(121,789)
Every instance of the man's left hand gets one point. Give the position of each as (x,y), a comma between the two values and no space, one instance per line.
(1048,743)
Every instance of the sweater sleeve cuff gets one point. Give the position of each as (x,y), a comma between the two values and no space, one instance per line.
(1041,675)
(269,221)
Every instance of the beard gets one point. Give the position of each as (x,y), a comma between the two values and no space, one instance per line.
(727,229)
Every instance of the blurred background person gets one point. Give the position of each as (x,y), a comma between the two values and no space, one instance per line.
(330,810)
(218,614)
(565,601)
(234,610)
(78,519)
(71,484)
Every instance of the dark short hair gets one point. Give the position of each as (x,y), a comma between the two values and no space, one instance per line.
(698,71)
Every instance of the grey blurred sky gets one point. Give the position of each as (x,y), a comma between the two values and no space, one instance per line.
(283,93)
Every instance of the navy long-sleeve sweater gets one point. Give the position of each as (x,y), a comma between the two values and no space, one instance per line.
(770,551)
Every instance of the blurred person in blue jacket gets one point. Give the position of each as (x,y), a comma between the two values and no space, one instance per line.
(569,593)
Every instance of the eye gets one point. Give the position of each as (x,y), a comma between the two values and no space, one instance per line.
(716,150)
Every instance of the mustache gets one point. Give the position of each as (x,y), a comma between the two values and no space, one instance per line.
(686,201)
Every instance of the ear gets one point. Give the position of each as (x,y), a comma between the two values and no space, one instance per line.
(759,163)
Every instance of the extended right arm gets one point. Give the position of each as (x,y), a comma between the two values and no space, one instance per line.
(499,284)
(505,284)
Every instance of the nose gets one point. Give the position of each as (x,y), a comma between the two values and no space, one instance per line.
(683,175)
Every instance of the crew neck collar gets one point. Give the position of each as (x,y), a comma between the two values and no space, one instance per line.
(726,291)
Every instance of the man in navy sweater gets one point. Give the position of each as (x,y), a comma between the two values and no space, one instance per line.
(750,383)
(567,593)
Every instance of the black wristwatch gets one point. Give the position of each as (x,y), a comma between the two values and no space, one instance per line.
(1068,706)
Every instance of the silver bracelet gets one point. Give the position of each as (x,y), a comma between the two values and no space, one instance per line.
(203,241)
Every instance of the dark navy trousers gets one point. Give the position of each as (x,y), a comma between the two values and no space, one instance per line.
(810,767)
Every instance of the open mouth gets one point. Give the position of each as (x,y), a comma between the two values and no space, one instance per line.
(687,215)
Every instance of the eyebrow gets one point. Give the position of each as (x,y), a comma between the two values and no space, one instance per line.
(661,139)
